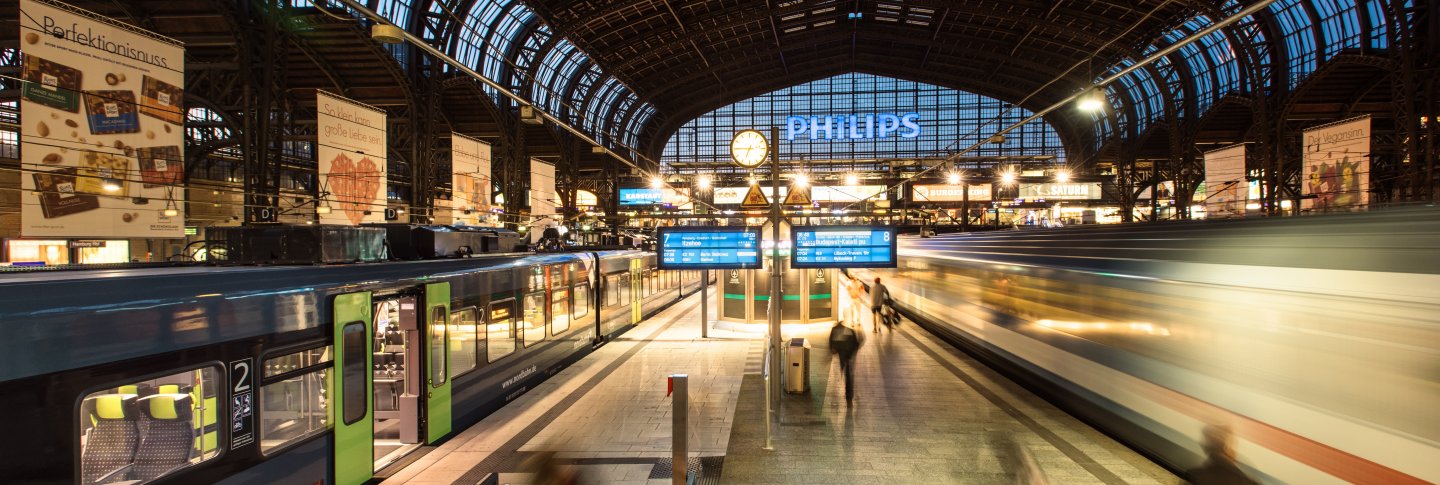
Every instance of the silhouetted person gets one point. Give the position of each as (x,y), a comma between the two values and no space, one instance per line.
(879,294)
(1219,467)
(845,342)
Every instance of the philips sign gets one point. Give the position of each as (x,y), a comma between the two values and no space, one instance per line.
(853,127)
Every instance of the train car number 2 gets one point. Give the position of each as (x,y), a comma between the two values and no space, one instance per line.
(242,404)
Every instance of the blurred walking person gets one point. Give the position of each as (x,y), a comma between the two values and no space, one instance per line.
(1220,467)
(852,287)
(844,343)
(879,295)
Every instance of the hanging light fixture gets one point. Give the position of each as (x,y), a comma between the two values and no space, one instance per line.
(852,179)
(656,183)
(954,178)
(1092,101)
(801,180)
(1062,176)
(703,182)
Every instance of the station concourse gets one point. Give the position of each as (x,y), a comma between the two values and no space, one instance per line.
(924,413)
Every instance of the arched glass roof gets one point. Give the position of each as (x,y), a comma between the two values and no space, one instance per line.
(943,118)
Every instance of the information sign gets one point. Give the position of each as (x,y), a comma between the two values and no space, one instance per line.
(709,247)
(843,247)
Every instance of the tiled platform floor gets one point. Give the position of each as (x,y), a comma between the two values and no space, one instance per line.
(924,413)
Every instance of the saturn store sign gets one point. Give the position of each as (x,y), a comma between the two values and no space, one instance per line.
(1080,191)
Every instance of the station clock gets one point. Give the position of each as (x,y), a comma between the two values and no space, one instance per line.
(749,148)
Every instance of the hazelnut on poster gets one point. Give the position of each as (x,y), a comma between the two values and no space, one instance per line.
(32,38)
(71,123)
(42,129)
(112,79)
(149,135)
(52,159)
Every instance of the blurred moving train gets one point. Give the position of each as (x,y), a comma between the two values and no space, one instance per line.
(1315,339)
(291,374)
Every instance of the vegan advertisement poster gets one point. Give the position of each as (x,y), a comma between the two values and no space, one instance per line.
(470,180)
(1225,186)
(102,133)
(1337,165)
(351,139)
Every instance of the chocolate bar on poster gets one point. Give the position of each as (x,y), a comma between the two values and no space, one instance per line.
(59,195)
(160,165)
(97,167)
(161,100)
(112,111)
(51,84)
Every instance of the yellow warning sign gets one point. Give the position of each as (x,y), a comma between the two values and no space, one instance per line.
(798,196)
(755,199)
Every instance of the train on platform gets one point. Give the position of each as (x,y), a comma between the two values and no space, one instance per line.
(293,374)
(1312,339)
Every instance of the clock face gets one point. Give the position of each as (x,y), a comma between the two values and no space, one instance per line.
(749,148)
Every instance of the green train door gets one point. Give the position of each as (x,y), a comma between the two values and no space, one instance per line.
(352,390)
(437,364)
(637,302)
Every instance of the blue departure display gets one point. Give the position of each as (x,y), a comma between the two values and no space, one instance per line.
(709,247)
(843,247)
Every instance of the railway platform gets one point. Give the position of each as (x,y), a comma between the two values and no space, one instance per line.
(923,413)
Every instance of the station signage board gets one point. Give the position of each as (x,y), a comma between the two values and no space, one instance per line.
(640,196)
(951,193)
(843,193)
(853,126)
(1058,191)
(843,247)
(708,247)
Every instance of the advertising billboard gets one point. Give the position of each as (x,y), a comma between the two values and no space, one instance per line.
(1059,191)
(1225,187)
(673,196)
(951,193)
(543,198)
(1337,165)
(841,193)
(351,143)
(469,180)
(102,126)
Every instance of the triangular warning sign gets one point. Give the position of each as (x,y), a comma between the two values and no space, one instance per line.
(798,196)
(755,199)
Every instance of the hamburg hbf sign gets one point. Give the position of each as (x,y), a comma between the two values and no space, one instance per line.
(853,126)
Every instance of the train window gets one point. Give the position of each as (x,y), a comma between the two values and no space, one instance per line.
(612,290)
(624,286)
(143,430)
(582,301)
(439,339)
(464,341)
(292,397)
(559,311)
(534,318)
(355,369)
(499,333)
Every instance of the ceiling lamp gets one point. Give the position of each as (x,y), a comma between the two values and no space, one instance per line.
(953,179)
(703,182)
(1091,101)
(1063,176)
(852,179)
(656,183)
(801,180)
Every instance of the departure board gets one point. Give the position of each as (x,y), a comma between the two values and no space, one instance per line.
(709,247)
(843,247)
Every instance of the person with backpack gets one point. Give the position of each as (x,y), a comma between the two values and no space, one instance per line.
(844,343)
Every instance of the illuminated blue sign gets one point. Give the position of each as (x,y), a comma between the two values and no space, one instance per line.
(843,247)
(641,196)
(708,247)
(853,127)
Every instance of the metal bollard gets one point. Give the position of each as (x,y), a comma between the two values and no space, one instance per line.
(679,428)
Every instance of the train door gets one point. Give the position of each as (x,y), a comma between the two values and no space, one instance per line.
(398,380)
(351,390)
(437,363)
(637,304)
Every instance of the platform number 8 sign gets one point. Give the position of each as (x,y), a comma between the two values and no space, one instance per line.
(242,404)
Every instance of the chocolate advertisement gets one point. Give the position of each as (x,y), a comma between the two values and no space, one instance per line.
(101,134)
(351,149)
(59,194)
(51,84)
(162,100)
